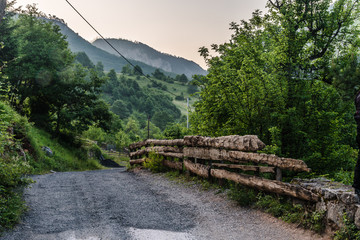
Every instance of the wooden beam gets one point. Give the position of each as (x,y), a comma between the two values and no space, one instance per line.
(138,153)
(248,143)
(261,169)
(154,142)
(266,185)
(236,156)
(174,165)
(155,149)
(198,169)
(137,161)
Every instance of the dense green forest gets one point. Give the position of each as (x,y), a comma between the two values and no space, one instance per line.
(289,76)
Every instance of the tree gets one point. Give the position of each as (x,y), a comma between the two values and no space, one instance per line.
(45,84)
(181,78)
(111,83)
(42,54)
(158,74)
(99,67)
(274,72)
(126,70)
(138,71)
(84,60)
(161,119)
(120,109)
(76,105)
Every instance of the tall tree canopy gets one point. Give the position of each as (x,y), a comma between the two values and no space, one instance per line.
(43,81)
(274,79)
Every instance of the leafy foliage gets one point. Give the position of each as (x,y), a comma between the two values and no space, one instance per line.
(44,83)
(278,72)
(155,162)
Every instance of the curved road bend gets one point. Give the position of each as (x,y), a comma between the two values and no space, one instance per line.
(114,204)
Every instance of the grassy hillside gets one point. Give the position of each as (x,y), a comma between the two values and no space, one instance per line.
(21,154)
(142,52)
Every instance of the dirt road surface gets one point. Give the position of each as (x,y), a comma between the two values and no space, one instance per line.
(114,204)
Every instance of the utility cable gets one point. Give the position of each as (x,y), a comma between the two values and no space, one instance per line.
(136,69)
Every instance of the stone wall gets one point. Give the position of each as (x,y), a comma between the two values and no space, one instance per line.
(335,199)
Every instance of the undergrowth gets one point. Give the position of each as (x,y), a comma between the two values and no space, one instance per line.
(21,154)
(65,158)
(155,163)
(13,166)
(349,231)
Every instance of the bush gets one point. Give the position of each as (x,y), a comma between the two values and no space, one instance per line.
(244,196)
(155,162)
(349,231)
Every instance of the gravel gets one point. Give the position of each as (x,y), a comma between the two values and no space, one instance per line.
(116,204)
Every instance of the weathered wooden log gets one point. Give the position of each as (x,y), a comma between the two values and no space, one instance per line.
(236,156)
(199,169)
(138,153)
(137,145)
(266,185)
(247,143)
(156,150)
(137,161)
(174,165)
(173,155)
(154,142)
(246,167)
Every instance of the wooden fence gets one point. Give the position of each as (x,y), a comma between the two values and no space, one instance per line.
(228,157)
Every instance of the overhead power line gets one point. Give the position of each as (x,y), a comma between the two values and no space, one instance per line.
(118,52)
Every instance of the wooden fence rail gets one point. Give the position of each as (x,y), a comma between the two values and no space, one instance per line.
(228,157)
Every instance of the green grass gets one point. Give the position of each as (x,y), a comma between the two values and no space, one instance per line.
(65,158)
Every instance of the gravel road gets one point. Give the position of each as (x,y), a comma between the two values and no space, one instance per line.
(115,204)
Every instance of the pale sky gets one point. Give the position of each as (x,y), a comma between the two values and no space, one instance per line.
(176,27)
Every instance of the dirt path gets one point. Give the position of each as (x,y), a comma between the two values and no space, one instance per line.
(115,204)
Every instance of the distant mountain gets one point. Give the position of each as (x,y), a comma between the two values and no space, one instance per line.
(142,52)
(110,61)
(98,52)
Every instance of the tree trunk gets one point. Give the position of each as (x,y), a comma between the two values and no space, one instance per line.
(266,185)
(238,157)
(197,168)
(248,143)
(173,165)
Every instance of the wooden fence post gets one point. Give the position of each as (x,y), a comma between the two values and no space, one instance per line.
(278,174)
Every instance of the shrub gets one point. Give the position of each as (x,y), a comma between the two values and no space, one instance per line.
(244,196)
(155,162)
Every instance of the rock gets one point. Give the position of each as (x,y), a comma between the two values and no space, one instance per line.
(357,216)
(349,198)
(335,213)
(47,151)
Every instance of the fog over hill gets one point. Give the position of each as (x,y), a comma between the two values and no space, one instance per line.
(142,52)
(139,54)
(110,61)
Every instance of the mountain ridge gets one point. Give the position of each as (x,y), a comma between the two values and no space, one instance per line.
(79,44)
(112,61)
(139,51)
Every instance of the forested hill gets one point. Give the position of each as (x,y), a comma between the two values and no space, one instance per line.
(142,52)
(110,61)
